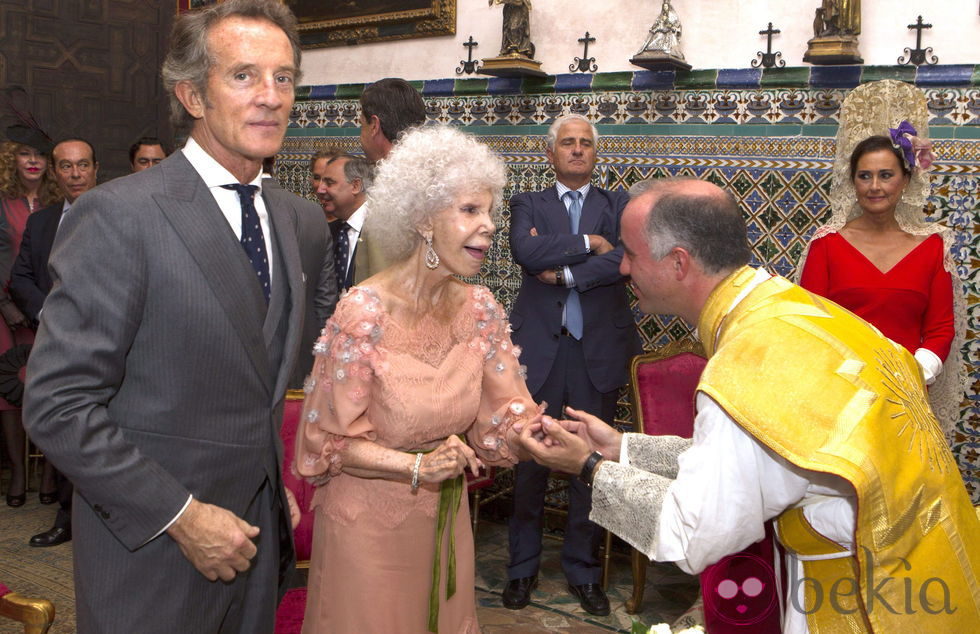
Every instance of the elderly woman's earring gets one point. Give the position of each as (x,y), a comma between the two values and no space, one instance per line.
(431,257)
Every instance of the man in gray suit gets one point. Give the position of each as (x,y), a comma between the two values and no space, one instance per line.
(156,383)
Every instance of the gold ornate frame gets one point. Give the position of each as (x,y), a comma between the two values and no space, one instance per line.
(186,5)
(439,18)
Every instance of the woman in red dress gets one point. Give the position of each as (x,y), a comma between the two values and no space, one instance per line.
(881,261)
(25,186)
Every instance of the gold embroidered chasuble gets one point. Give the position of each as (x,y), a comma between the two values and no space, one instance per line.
(829,393)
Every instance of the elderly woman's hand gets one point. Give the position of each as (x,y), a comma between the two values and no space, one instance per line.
(448,460)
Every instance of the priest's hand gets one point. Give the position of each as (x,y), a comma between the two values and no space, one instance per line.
(600,436)
(553,446)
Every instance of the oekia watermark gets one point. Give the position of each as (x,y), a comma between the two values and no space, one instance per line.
(744,591)
(874,588)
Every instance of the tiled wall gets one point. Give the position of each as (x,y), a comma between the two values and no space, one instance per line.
(766,135)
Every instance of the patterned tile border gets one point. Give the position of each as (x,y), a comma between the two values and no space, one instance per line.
(742,78)
(955,109)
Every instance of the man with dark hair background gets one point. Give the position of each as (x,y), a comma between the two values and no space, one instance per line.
(76,171)
(146,152)
(388,107)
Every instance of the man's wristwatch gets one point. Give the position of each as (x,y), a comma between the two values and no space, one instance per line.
(560,276)
(588,469)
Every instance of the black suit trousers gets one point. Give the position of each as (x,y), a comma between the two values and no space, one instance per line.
(567,384)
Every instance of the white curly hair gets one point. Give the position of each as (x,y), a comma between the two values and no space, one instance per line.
(427,170)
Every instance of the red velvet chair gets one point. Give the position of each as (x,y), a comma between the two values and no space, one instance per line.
(302,534)
(36,615)
(663,383)
(289,616)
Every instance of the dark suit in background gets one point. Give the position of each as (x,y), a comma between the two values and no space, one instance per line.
(316,257)
(30,283)
(584,374)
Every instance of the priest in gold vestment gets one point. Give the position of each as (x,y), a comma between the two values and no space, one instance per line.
(806,415)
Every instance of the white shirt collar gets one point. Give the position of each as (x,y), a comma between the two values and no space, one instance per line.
(211,171)
(564,189)
(356,220)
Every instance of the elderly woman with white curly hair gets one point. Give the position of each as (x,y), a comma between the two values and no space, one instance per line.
(416,379)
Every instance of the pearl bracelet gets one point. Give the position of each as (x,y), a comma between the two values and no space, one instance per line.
(415,472)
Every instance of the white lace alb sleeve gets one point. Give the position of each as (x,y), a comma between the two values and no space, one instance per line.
(727,487)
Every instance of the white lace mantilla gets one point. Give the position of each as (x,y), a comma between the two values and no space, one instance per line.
(871,109)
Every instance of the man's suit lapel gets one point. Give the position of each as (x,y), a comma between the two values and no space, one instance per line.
(556,212)
(360,267)
(197,219)
(592,208)
(283,223)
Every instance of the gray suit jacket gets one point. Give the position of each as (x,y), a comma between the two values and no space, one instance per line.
(158,371)
(316,257)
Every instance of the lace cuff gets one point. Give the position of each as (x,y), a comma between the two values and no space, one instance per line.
(628,501)
(656,454)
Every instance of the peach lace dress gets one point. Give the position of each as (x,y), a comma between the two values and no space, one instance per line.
(405,389)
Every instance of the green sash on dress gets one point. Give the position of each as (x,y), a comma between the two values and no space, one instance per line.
(450,496)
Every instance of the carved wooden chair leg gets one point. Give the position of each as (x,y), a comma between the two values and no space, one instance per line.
(36,615)
(475,511)
(606,549)
(639,565)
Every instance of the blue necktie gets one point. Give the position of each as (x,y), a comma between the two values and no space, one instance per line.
(341,254)
(252,239)
(573,306)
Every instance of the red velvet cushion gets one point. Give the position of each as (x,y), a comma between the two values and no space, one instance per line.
(289,616)
(4,590)
(666,388)
(303,534)
(481,481)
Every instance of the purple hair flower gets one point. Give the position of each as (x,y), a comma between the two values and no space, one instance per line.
(900,139)
(916,151)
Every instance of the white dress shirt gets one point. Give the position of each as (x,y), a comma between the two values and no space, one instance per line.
(584,191)
(356,225)
(214,176)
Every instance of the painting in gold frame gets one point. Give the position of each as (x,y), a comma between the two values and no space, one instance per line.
(323,23)
(187,5)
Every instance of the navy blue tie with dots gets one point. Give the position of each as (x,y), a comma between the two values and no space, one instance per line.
(252,239)
(341,254)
